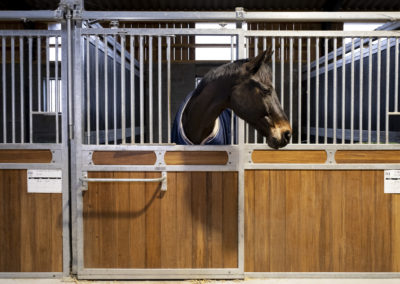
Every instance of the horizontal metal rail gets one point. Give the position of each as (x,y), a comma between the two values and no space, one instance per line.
(39,15)
(30,33)
(239,15)
(232,32)
(206,16)
(162,179)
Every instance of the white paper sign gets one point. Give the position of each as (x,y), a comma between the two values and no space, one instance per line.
(392,181)
(44,181)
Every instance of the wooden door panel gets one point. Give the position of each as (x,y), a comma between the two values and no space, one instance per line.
(320,221)
(135,225)
(30,226)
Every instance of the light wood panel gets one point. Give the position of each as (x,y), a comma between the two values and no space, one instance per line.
(124,158)
(320,221)
(25,156)
(30,226)
(289,156)
(196,158)
(367,156)
(135,225)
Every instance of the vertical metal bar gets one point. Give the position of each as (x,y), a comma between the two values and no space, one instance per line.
(299,90)
(88,89)
(30,90)
(334,89)
(69,77)
(343,88)
(39,69)
(232,113)
(369,90)
(188,42)
(273,62)
(123,91)
(115,89)
(246,125)
(56,90)
(169,86)
(3,45)
(264,48)
(141,89)
(308,89)
(21,79)
(174,42)
(387,91)
(291,82)
(96,54)
(105,90)
(317,91)
(47,75)
(241,185)
(159,90)
(352,83)
(361,90)
(13,88)
(151,88)
(396,75)
(378,95)
(132,52)
(282,72)
(240,54)
(255,54)
(232,50)
(326,93)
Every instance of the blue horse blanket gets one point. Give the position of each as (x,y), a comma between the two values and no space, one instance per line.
(221,135)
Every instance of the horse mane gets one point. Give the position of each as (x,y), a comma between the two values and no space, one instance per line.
(223,71)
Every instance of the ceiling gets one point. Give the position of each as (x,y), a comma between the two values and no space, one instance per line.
(212,5)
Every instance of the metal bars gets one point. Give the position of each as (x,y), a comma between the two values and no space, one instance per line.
(324,101)
(133,60)
(30,92)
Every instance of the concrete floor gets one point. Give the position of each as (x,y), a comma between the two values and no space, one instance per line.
(247,281)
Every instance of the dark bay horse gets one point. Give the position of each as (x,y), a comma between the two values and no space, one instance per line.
(244,86)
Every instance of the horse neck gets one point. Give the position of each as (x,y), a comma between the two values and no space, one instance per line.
(202,110)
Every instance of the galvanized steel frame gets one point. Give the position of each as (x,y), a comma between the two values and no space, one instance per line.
(60,157)
(239,154)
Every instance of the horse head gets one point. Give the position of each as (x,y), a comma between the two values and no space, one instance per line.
(255,100)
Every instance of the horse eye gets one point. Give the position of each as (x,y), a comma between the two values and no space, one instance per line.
(265,91)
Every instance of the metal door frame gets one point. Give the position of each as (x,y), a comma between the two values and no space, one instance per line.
(60,151)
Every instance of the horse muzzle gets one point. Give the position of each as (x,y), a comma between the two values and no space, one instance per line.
(280,135)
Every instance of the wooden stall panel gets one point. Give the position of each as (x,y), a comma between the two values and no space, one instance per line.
(25,156)
(135,225)
(289,156)
(196,158)
(320,221)
(124,158)
(367,156)
(30,226)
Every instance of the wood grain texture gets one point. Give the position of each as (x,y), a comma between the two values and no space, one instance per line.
(196,158)
(135,225)
(367,156)
(124,158)
(320,221)
(30,226)
(25,156)
(289,156)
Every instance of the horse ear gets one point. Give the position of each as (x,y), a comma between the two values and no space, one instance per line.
(268,55)
(255,63)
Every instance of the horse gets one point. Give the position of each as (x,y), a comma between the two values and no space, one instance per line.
(244,86)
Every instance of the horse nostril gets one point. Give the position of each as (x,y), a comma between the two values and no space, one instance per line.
(287,134)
